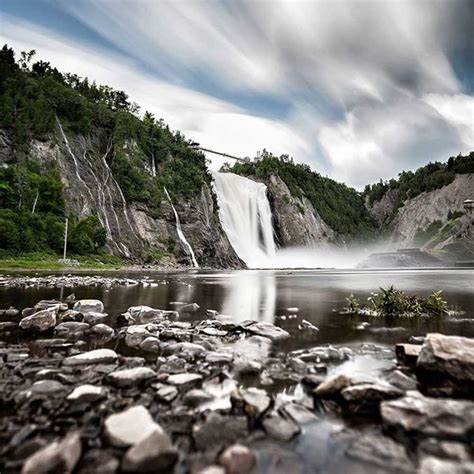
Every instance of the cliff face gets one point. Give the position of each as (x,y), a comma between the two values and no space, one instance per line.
(380,210)
(133,230)
(296,222)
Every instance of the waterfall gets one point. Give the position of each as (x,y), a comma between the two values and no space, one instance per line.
(246,218)
(181,236)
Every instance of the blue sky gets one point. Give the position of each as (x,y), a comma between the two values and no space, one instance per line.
(358,89)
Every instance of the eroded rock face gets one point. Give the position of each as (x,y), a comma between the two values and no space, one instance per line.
(417,415)
(445,359)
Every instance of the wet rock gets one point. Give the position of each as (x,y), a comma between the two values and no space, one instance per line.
(431,465)
(87,393)
(298,413)
(443,449)
(382,452)
(166,393)
(130,426)
(196,397)
(48,304)
(365,398)
(46,387)
(145,314)
(332,386)
(269,330)
(312,380)
(218,431)
(150,344)
(59,456)
(92,318)
(219,358)
(324,354)
(416,415)
(407,354)
(71,329)
(131,377)
(97,356)
(402,381)
(308,328)
(279,427)
(155,453)
(71,315)
(89,306)
(184,379)
(447,359)
(245,366)
(102,332)
(40,321)
(256,401)
(237,459)
(189,350)
(135,335)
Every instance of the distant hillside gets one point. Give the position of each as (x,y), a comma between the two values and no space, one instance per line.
(342,208)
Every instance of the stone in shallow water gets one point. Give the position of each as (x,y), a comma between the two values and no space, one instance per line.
(269,330)
(182,379)
(237,459)
(130,426)
(89,306)
(422,416)
(144,314)
(332,386)
(298,413)
(256,400)
(59,456)
(131,377)
(279,427)
(155,453)
(365,398)
(87,393)
(40,321)
(449,357)
(97,356)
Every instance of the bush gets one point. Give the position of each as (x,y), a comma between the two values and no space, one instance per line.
(86,236)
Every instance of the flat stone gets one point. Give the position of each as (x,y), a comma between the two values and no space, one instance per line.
(298,413)
(131,377)
(256,400)
(402,381)
(46,387)
(269,330)
(88,306)
(219,358)
(189,349)
(48,304)
(97,356)
(40,321)
(417,415)
(313,380)
(279,427)
(407,354)
(155,453)
(165,393)
(182,379)
(87,393)
(130,426)
(237,459)
(71,328)
(59,456)
(332,386)
(365,397)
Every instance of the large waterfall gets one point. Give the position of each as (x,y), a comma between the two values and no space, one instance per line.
(246,218)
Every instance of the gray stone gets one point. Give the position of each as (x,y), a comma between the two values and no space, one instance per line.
(87,393)
(407,354)
(184,379)
(71,315)
(46,387)
(131,377)
(97,356)
(398,379)
(188,349)
(196,396)
(48,304)
(422,416)
(89,306)
(365,398)
(256,400)
(150,344)
(219,358)
(155,453)
(92,318)
(298,413)
(308,328)
(269,330)
(165,393)
(144,314)
(237,459)
(40,321)
(71,329)
(135,335)
(130,426)
(103,332)
(279,427)
(59,456)
(332,386)
(432,465)
(443,449)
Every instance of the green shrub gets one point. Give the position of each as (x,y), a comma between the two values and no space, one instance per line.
(86,236)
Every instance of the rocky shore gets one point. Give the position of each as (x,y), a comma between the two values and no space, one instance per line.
(145,391)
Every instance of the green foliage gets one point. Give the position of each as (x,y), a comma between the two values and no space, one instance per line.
(156,256)
(423,236)
(340,206)
(427,178)
(86,236)
(391,302)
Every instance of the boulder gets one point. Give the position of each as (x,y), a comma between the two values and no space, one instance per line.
(59,456)
(144,314)
(280,427)
(269,330)
(332,386)
(103,332)
(87,393)
(92,318)
(155,453)
(89,306)
(40,321)
(97,356)
(365,398)
(237,459)
(407,354)
(447,360)
(131,377)
(417,415)
(256,401)
(130,427)
(71,329)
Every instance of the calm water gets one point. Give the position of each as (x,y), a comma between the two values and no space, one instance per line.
(267,295)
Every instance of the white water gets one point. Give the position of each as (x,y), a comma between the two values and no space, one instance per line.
(181,236)
(246,218)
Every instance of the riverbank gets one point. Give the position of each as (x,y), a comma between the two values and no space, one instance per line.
(156,390)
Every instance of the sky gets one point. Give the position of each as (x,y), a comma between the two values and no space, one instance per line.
(357,89)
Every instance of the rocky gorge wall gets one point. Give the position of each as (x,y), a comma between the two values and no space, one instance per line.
(133,230)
